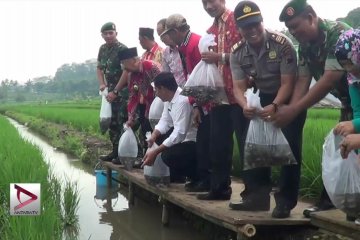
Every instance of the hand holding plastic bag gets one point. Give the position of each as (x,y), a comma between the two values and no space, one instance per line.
(205,82)
(341,177)
(265,144)
(159,173)
(105,112)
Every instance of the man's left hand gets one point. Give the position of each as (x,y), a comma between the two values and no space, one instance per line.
(149,158)
(210,57)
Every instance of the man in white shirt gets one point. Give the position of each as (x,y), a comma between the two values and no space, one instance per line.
(178,151)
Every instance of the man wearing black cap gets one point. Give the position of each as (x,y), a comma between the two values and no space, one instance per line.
(108,74)
(138,75)
(317,38)
(153,50)
(270,59)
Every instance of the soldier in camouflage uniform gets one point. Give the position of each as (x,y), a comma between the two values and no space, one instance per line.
(317,38)
(109,72)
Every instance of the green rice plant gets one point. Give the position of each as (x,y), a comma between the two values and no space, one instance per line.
(21,162)
(70,203)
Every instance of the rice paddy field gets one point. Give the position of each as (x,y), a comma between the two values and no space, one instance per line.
(84,116)
(21,162)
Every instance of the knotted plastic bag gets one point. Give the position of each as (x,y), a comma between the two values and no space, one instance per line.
(128,148)
(155,112)
(105,112)
(205,82)
(159,173)
(265,144)
(341,177)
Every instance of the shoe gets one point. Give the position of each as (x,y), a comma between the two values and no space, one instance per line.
(223,195)
(318,207)
(107,158)
(350,218)
(281,212)
(116,161)
(200,186)
(251,205)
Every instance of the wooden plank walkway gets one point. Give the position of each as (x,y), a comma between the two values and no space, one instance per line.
(218,212)
(335,221)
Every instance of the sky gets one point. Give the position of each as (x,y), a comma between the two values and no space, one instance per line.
(40,36)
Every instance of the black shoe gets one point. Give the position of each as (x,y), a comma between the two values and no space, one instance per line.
(178,179)
(350,218)
(116,161)
(251,205)
(281,211)
(222,195)
(201,186)
(107,158)
(318,207)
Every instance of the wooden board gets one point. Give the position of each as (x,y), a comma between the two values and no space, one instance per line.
(217,212)
(335,221)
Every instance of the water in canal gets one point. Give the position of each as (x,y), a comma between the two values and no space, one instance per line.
(108,216)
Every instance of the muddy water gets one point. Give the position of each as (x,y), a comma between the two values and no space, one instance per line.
(106,215)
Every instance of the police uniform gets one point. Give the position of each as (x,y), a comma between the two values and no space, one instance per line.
(314,60)
(109,64)
(277,57)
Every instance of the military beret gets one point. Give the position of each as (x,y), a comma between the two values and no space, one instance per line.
(127,53)
(247,12)
(292,9)
(146,32)
(108,27)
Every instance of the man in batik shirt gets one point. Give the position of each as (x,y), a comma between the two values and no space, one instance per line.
(153,50)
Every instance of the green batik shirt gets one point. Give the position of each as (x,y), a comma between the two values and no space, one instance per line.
(109,63)
(315,59)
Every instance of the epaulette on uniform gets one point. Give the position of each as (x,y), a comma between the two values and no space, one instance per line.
(277,38)
(237,45)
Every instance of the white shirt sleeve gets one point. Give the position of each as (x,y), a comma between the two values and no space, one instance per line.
(165,122)
(181,117)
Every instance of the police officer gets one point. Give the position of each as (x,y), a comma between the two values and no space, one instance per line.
(108,73)
(317,38)
(270,59)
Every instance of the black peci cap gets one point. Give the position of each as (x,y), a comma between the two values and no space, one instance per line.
(292,9)
(146,32)
(127,53)
(247,12)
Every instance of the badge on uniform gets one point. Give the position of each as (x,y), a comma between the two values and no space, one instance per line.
(272,54)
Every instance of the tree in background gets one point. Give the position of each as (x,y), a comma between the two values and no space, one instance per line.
(353,18)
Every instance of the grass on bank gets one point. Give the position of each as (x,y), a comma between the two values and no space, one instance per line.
(21,162)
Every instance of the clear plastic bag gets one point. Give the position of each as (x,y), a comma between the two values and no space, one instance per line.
(159,173)
(128,148)
(265,144)
(155,112)
(341,177)
(205,82)
(105,112)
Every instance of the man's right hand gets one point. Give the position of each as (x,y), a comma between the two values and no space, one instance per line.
(284,115)
(249,112)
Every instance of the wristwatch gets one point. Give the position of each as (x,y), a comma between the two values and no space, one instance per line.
(116,92)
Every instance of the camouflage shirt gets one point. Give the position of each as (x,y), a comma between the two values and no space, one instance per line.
(315,59)
(108,61)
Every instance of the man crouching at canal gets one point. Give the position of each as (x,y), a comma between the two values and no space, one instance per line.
(178,151)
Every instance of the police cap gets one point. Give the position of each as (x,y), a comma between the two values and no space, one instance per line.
(292,9)
(108,27)
(246,13)
(127,53)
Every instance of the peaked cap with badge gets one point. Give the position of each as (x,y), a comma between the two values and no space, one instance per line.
(246,13)
(292,9)
(109,26)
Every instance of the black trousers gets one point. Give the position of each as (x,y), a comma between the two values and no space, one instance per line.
(258,181)
(224,120)
(181,159)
